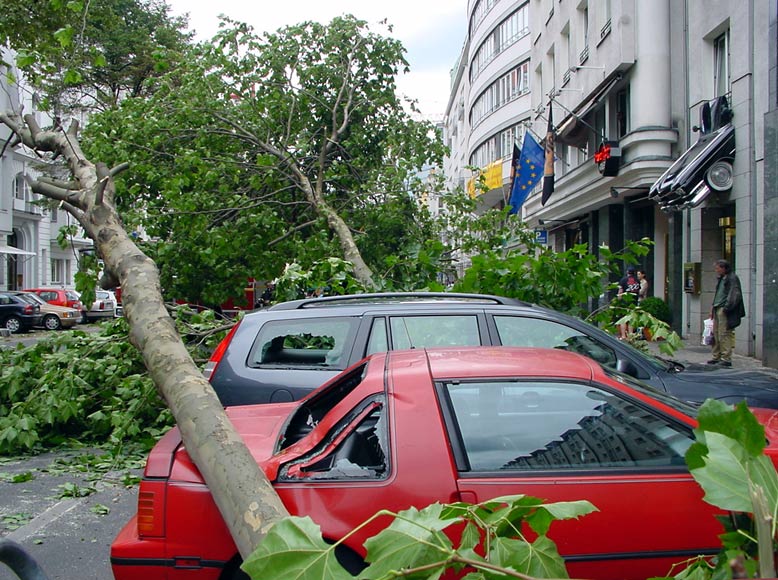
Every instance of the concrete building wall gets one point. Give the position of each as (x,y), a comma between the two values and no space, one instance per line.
(767,283)
(590,57)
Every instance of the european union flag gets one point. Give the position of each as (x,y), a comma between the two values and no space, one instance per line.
(526,171)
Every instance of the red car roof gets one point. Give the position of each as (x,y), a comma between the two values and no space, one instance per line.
(503,361)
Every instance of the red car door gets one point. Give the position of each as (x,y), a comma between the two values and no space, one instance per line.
(564,441)
(369,452)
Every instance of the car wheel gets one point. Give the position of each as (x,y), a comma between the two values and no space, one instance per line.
(51,322)
(14,324)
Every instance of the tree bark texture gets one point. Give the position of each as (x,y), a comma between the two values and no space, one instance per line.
(246,499)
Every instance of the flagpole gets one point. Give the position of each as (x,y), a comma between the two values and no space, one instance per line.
(548,167)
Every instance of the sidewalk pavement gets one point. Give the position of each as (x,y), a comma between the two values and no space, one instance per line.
(696,353)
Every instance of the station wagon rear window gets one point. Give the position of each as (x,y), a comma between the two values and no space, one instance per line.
(305,343)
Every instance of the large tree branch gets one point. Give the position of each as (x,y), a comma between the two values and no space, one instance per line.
(244,496)
(56,193)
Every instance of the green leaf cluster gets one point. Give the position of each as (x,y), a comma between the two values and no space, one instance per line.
(77,386)
(74,387)
(728,459)
(503,534)
(729,463)
(566,281)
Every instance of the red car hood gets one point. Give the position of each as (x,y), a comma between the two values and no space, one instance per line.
(258,425)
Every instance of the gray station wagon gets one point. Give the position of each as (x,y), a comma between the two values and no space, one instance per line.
(283,352)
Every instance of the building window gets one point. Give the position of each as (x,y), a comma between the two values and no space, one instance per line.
(605,6)
(54,214)
(507,33)
(600,133)
(57,271)
(622,112)
(721,81)
(21,187)
(505,89)
(480,11)
(584,54)
(498,146)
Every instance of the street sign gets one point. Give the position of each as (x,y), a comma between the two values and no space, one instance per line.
(541,236)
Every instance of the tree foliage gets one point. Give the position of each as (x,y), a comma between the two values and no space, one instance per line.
(89,387)
(493,543)
(536,273)
(729,463)
(264,150)
(87,55)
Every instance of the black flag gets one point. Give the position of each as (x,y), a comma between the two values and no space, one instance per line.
(548,167)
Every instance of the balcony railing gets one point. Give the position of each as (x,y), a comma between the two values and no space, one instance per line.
(584,56)
(605,30)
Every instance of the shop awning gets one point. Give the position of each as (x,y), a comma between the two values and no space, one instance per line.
(15,251)
(572,130)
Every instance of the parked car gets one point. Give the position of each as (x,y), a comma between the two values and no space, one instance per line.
(16,314)
(283,352)
(103,307)
(414,427)
(61,297)
(53,317)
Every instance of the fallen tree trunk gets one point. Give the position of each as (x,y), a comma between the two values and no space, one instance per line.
(246,499)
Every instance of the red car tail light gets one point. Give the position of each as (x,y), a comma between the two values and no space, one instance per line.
(151,508)
(29,309)
(217,355)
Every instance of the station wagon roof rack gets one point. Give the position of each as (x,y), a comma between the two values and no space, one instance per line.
(396,298)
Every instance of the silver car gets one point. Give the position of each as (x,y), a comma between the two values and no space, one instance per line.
(103,307)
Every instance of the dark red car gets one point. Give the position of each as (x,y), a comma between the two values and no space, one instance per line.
(409,428)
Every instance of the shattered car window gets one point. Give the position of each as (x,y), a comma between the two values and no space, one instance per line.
(355,449)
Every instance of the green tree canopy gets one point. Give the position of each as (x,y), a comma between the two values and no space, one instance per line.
(89,55)
(260,150)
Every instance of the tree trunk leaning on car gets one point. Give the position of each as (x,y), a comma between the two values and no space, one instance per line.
(247,501)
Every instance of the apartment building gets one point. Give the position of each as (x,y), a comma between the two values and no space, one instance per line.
(662,111)
(30,255)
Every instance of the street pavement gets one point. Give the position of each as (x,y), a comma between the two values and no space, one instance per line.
(69,537)
(696,353)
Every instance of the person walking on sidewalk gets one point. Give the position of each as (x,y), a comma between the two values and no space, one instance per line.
(727,311)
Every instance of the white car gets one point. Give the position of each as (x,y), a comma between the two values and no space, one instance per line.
(103,307)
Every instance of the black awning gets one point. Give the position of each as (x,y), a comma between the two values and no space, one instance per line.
(573,130)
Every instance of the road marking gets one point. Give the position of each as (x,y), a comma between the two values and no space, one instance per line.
(41,521)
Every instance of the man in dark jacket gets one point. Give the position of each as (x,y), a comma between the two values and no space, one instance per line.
(727,311)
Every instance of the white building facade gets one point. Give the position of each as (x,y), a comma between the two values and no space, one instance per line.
(30,255)
(635,74)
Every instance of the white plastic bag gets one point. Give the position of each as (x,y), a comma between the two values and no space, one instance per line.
(707,332)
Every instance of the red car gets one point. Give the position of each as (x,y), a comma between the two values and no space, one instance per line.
(409,428)
(61,297)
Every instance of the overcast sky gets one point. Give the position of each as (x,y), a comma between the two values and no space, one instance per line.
(432,32)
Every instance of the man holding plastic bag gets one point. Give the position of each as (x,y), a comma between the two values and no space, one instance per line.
(727,311)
